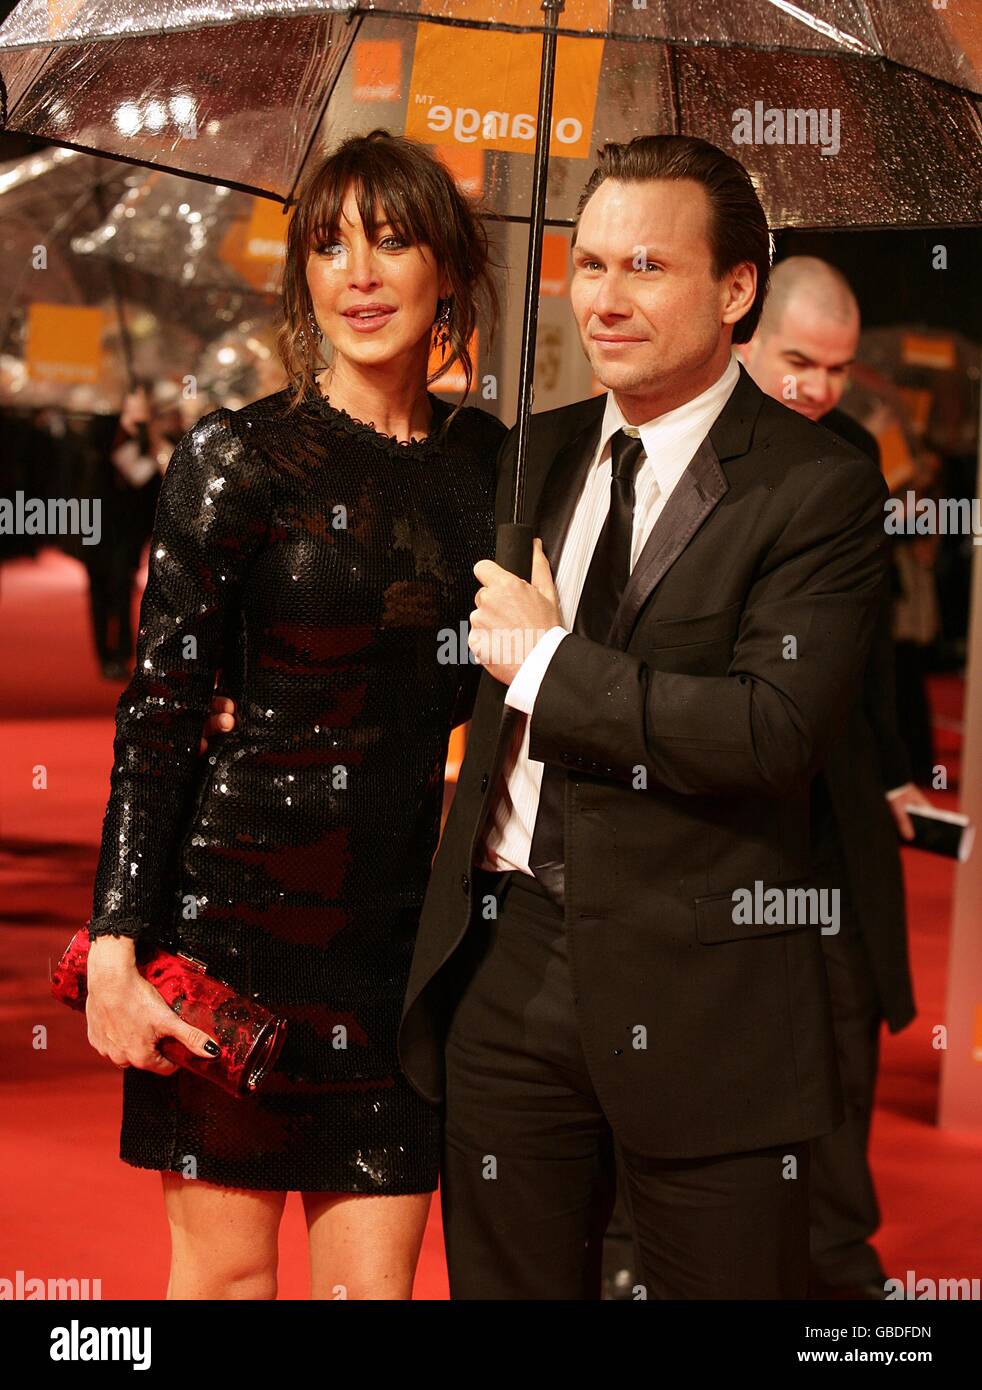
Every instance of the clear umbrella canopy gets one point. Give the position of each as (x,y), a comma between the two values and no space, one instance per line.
(238,366)
(194,234)
(846,112)
(89,298)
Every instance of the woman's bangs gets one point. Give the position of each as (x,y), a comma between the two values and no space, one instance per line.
(372,192)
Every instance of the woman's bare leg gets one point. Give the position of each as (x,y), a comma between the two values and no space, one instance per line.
(223,1239)
(364,1246)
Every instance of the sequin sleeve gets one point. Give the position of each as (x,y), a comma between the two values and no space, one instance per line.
(212,517)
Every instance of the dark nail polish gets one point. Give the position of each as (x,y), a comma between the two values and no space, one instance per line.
(213,1048)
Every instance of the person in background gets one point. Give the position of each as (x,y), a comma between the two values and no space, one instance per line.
(25,451)
(800,354)
(916,620)
(127,454)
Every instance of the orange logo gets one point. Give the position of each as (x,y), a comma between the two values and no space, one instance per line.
(467,166)
(378,70)
(64,343)
(919,350)
(555,255)
(256,247)
(453,380)
(482,88)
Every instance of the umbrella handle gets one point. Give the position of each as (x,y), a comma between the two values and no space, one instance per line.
(513,548)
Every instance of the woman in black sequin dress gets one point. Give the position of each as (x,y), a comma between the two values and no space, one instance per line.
(319,563)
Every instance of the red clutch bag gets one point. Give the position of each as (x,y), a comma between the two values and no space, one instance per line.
(249,1035)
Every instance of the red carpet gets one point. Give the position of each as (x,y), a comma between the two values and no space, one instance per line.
(71,1209)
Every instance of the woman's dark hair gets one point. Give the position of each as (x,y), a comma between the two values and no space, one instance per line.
(738,228)
(395,180)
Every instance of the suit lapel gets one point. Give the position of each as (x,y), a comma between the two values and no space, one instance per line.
(693,498)
(695,495)
(563,485)
(552,511)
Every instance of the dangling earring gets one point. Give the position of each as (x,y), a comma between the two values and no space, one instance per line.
(442,326)
(316,332)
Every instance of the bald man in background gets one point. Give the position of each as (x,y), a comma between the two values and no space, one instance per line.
(805,342)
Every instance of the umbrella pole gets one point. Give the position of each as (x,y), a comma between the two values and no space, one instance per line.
(514,539)
(124,333)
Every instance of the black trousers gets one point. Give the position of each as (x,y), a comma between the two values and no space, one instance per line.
(527,1184)
(844,1210)
(914,708)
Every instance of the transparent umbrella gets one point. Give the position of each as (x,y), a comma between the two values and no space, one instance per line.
(238,367)
(200,235)
(82,315)
(246,92)
(846,112)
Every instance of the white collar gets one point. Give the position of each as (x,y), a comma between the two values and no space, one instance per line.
(678,425)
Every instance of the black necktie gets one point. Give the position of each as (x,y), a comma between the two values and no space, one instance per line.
(606,579)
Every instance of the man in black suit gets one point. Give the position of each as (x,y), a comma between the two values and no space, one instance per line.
(805,342)
(613,954)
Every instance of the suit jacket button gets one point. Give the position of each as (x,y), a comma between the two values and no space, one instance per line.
(465,883)
(617,1051)
(484,783)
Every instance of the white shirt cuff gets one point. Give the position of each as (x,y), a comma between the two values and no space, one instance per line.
(525,687)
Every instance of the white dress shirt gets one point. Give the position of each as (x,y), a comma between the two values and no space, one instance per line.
(670,442)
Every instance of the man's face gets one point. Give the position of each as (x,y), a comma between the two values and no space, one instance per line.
(647,305)
(804,361)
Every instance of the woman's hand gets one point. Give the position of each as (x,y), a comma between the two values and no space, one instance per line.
(221,719)
(127,1016)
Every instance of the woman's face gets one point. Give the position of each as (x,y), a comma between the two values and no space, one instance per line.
(375,298)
